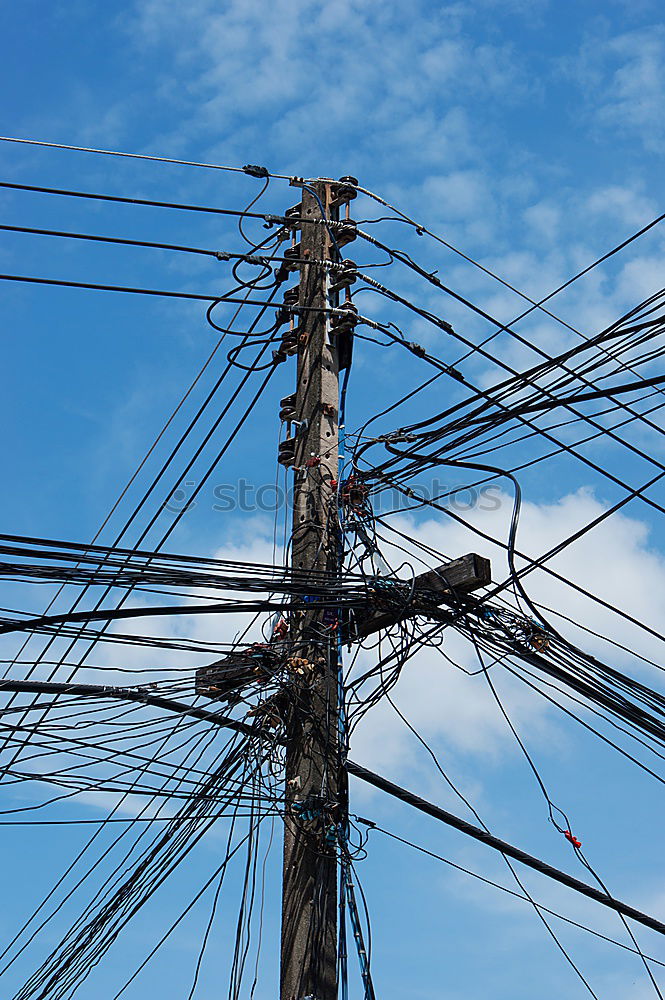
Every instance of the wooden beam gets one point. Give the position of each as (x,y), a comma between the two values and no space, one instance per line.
(431,589)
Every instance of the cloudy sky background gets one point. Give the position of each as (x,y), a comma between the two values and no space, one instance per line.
(528,135)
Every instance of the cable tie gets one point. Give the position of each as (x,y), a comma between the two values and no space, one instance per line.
(573,840)
(255,171)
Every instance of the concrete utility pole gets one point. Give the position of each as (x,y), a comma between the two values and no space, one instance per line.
(309,903)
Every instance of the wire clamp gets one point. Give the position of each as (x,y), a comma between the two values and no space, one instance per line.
(254,170)
(417,349)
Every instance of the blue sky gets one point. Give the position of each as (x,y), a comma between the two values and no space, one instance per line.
(530,135)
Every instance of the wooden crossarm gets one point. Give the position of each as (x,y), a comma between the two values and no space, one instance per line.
(436,586)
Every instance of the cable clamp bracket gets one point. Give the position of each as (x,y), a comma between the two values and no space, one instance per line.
(254,170)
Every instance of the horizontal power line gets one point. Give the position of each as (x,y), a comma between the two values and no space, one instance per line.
(124,694)
(150,203)
(363,773)
(411,799)
(92,286)
(31,231)
(291,310)
(475,875)
(260,260)
(144,156)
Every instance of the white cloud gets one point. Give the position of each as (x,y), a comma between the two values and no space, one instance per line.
(626,203)
(623,82)
(545,218)
(318,69)
(458,194)
(642,277)
(457,713)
